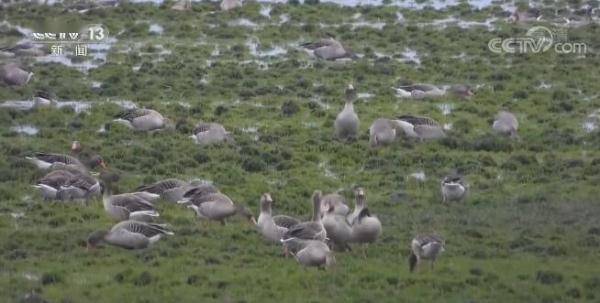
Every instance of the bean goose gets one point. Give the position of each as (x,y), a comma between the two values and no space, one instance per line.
(230,4)
(210,133)
(454,188)
(209,204)
(128,206)
(365,227)
(382,132)
(310,252)
(50,161)
(335,201)
(347,123)
(420,127)
(52,182)
(329,49)
(12,74)
(425,248)
(338,229)
(267,227)
(506,124)
(142,119)
(310,230)
(172,190)
(68,184)
(421,91)
(129,234)
(81,186)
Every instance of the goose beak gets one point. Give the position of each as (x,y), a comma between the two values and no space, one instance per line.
(103,164)
(253,220)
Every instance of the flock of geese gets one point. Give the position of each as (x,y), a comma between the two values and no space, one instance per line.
(333,226)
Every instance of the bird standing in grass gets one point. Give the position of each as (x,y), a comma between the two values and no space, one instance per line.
(453,188)
(506,123)
(366,228)
(347,122)
(266,225)
(425,248)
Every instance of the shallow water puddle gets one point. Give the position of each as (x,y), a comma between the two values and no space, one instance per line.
(156,29)
(253,48)
(410,55)
(25,129)
(419,176)
(77,106)
(243,22)
(265,10)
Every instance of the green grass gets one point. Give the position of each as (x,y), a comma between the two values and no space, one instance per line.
(528,232)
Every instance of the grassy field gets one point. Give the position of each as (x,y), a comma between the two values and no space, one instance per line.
(528,232)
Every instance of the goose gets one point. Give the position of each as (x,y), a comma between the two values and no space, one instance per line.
(347,123)
(420,127)
(172,190)
(365,227)
(128,206)
(419,91)
(129,234)
(81,186)
(210,133)
(142,119)
(338,229)
(50,161)
(230,4)
(426,247)
(454,188)
(267,227)
(382,132)
(52,182)
(310,230)
(329,49)
(68,184)
(12,74)
(210,204)
(337,201)
(506,123)
(310,252)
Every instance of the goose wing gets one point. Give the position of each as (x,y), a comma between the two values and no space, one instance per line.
(285,221)
(304,230)
(416,120)
(58,158)
(56,178)
(132,203)
(161,186)
(147,229)
(131,114)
